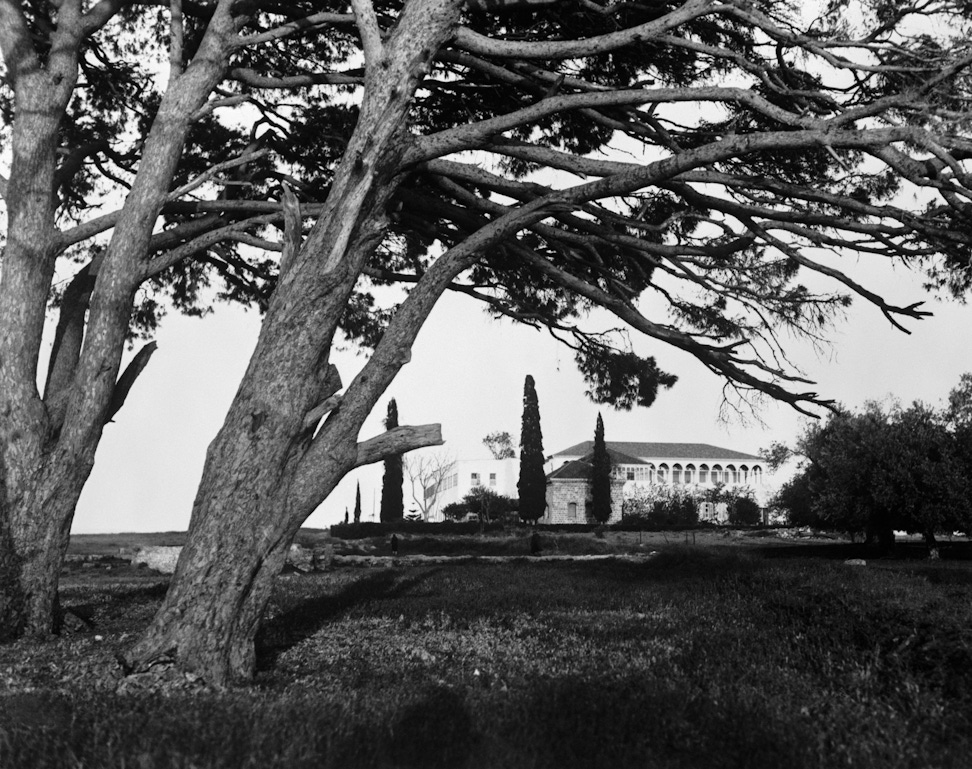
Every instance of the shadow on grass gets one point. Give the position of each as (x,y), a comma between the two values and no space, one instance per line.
(308,616)
(903,551)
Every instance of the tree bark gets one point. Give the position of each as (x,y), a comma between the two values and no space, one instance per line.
(48,445)
(266,471)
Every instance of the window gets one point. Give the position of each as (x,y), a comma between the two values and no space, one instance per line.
(689,474)
(757,474)
(663,473)
(629,474)
(474,479)
(703,473)
(572,511)
(676,474)
(743,474)
(716,473)
(731,476)
(492,479)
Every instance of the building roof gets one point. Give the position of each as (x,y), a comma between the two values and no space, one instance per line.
(582,468)
(667,450)
(575,470)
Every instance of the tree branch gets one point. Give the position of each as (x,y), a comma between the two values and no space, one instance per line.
(398,440)
(124,384)
(569,49)
(367,23)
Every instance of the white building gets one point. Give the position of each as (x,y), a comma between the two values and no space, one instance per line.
(689,464)
(499,475)
(638,464)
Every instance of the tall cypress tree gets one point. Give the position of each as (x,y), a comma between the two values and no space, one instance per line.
(532,484)
(600,476)
(357,504)
(392,507)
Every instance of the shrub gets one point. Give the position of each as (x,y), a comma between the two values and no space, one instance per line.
(744,511)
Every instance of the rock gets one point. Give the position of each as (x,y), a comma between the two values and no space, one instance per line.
(855,562)
(301,558)
(162,559)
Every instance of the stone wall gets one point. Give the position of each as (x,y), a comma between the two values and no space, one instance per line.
(561,492)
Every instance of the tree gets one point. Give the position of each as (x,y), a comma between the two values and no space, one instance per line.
(484,503)
(392,507)
(531,484)
(357,503)
(716,221)
(883,470)
(500,445)
(600,476)
(84,119)
(428,474)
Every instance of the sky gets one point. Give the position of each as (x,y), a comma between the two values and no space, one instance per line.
(467,373)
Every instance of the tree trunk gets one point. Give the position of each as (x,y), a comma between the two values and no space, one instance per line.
(266,471)
(28,575)
(47,445)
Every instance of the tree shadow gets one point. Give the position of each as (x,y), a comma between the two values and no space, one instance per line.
(307,617)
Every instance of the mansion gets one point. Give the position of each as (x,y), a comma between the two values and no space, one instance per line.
(637,465)
(634,465)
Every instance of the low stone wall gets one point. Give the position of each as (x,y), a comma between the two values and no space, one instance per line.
(160,558)
(163,559)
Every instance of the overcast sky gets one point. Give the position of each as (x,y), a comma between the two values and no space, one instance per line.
(467,373)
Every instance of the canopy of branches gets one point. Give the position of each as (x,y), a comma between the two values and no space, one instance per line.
(682,165)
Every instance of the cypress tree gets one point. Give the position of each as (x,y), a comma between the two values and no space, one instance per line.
(357,504)
(600,476)
(532,484)
(392,507)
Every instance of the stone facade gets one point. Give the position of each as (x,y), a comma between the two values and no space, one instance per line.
(568,500)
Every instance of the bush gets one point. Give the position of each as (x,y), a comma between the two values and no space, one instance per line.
(744,511)
(375,529)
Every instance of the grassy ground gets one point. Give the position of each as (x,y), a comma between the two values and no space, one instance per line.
(710,656)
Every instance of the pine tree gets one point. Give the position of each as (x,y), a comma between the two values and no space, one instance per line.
(600,476)
(357,504)
(532,484)
(392,506)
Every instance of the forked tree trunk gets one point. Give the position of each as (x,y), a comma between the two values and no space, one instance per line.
(47,445)
(266,471)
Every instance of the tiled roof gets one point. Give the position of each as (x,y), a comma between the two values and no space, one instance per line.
(652,450)
(578,469)
(581,468)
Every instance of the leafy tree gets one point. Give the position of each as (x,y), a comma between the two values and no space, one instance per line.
(883,470)
(795,499)
(485,504)
(500,445)
(600,476)
(357,503)
(392,506)
(753,166)
(532,482)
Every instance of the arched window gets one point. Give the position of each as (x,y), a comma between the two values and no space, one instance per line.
(703,473)
(650,473)
(689,474)
(663,473)
(676,473)
(731,476)
(757,474)
(716,473)
(743,474)
(572,511)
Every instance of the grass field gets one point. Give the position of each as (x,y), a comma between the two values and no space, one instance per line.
(702,656)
